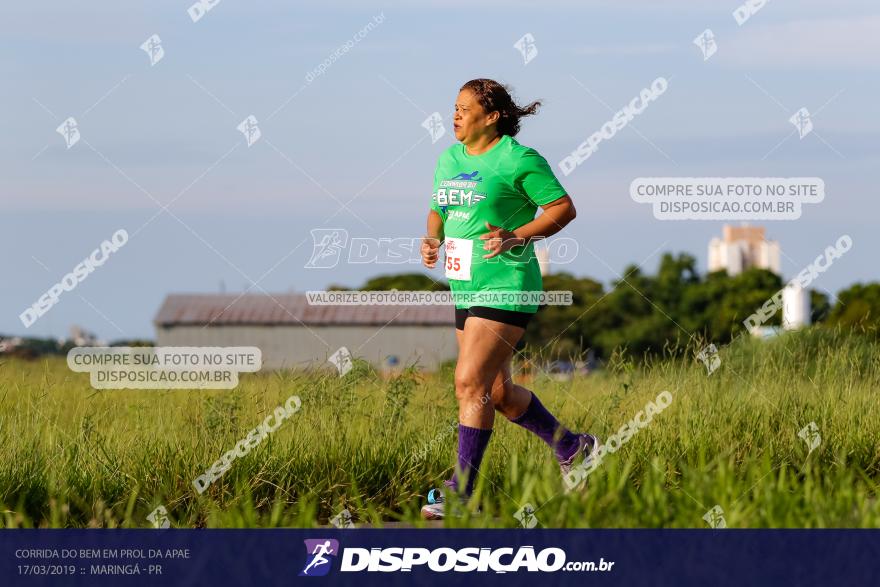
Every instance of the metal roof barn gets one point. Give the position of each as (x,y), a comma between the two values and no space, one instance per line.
(292,333)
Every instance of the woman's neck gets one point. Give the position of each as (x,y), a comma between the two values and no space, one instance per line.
(481,144)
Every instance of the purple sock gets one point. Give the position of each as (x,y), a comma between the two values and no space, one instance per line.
(472,443)
(537,419)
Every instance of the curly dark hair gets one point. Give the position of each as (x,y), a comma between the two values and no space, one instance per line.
(495,97)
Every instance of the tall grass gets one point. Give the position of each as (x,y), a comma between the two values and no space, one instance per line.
(77,457)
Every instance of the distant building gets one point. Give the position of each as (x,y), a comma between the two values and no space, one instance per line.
(795,307)
(543,256)
(741,248)
(79,336)
(291,333)
(7,345)
(744,247)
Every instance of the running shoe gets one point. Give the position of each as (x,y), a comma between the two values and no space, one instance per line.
(435,508)
(587,447)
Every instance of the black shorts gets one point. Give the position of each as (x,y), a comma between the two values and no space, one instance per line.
(520,319)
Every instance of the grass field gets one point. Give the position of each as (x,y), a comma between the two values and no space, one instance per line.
(77,457)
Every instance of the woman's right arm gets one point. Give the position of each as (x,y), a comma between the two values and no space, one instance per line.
(431,241)
(435,225)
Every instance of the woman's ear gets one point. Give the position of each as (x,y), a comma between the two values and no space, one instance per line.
(493,117)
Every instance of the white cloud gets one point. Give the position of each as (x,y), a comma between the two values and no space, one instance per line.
(841,43)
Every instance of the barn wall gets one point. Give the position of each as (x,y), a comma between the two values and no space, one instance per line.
(296,346)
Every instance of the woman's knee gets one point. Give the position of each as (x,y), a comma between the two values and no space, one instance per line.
(502,389)
(470,384)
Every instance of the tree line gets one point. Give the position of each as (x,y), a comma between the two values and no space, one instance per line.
(644,313)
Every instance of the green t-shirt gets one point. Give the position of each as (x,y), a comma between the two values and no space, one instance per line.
(503,186)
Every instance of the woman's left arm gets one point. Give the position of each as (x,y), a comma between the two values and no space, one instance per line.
(556,215)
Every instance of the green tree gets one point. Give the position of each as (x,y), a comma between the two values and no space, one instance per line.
(716,307)
(404,282)
(858,306)
(569,329)
(820,308)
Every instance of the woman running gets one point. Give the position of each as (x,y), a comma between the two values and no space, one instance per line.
(487,189)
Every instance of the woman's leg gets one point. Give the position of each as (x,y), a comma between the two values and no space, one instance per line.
(510,400)
(484,347)
(522,407)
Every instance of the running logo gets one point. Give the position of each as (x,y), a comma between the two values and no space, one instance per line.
(469,176)
(434,125)
(527,48)
(250,129)
(459,191)
(70,131)
(706,43)
(317,561)
(327,246)
(802,121)
(153,48)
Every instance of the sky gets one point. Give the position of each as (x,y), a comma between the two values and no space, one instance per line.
(160,155)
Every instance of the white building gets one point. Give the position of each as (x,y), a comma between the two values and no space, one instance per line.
(291,333)
(82,337)
(741,248)
(795,307)
(543,256)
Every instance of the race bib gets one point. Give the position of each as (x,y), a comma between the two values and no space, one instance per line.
(459,253)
